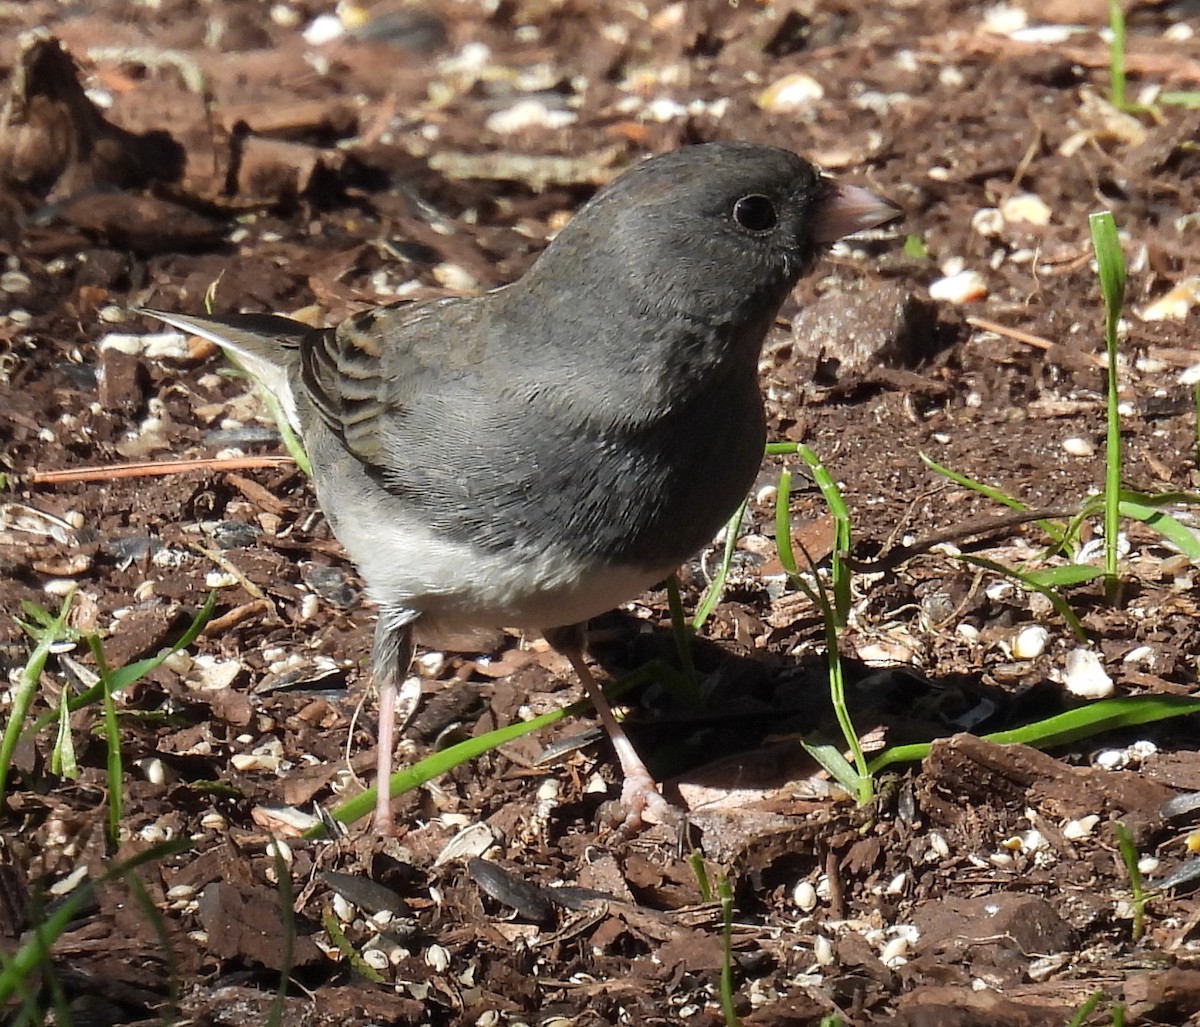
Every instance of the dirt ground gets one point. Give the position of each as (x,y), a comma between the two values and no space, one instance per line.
(151,152)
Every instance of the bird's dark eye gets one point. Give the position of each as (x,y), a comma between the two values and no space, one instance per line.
(755,213)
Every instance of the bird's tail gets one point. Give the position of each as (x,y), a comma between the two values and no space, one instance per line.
(265,345)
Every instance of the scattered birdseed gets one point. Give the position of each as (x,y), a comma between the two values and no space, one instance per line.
(804,896)
(1077,446)
(963,287)
(472,841)
(437,957)
(1174,305)
(791,93)
(1085,676)
(1030,642)
(1080,828)
(1027,208)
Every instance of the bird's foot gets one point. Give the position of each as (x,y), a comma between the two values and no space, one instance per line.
(642,802)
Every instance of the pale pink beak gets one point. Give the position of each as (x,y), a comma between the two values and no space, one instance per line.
(847,209)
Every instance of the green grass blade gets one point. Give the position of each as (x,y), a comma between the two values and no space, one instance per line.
(26,687)
(987,491)
(287,915)
(1181,98)
(841,532)
(1057,601)
(1111,268)
(1063,728)
(835,765)
(352,956)
(783,525)
(695,860)
(1116,54)
(1181,537)
(1062,577)
(31,954)
(683,643)
(293,445)
(155,918)
(1137,892)
(1085,1010)
(725,893)
(468,749)
(123,677)
(1051,528)
(712,595)
(62,756)
(112,739)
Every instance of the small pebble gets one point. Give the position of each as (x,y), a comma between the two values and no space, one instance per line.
(528,114)
(376,959)
(895,952)
(325,28)
(987,221)
(15,283)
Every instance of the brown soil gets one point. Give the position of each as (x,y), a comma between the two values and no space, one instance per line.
(984,886)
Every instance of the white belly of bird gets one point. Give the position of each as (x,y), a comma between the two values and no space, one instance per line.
(452,586)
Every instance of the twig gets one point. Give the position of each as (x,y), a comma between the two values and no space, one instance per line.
(968,530)
(149,468)
(1036,341)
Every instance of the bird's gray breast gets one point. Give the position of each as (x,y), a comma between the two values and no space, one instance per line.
(537,470)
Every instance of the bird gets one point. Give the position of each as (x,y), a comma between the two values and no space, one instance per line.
(538,454)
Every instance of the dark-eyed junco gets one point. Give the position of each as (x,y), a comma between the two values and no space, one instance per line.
(534,456)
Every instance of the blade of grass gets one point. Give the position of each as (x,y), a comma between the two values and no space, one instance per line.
(1116,54)
(455,755)
(1137,892)
(1181,98)
(62,756)
(26,686)
(712,594)
(856,781)
(1085,1010)
(112,739)
(700,872)
(1180,536)
(831,760)
(27,958)
(123,677)
(359,965)
(150,911)
(841,532)
(1111,268)
(283,885)
(725,893)
(1056,600)
(1055,531)
(1063,728)
(683,642)
(1062,577)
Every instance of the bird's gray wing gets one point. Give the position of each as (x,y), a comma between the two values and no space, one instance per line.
(362,376)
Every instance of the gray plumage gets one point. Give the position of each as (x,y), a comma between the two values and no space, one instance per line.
(536,455)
